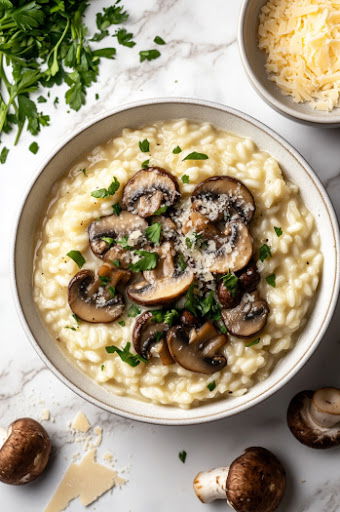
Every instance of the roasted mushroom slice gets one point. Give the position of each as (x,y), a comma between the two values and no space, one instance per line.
(196,351)
(91,300)
(148,190)
(223,197)
(163,284)
(113,226)
(248,318)
(149,338)
(232,251)
(200,224)
(249,277)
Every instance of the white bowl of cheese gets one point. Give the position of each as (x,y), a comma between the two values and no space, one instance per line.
(291,55)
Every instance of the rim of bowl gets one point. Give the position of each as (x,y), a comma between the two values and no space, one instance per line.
(219,414)
(322,120)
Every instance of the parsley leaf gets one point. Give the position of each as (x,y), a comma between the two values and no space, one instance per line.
(177,150)
(34,147)
(133,311)
(110,241)
(211,386)
(161,210)
(148,261)
(145,164)
(165,316)
(182,456)
(124,242)
(271,280)
(125,355)
(122,323)
(153,232)
(230,281)
(116,209)
(144,145)
(4,155)
(112,291)
(77,257)
(196,156)
(180,261)
(278,231)
(194,240)
(265,252)
(104,279)
(125,38)
(254,342)
(148,55)
(159,40)
(185,178)
(105,192)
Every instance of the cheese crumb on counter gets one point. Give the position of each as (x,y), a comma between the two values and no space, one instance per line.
(80,423)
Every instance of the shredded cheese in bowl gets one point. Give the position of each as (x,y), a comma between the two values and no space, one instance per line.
(302,42)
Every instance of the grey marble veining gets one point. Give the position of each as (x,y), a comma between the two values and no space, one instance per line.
(200,60)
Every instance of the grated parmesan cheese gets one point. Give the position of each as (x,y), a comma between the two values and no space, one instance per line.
(302,42)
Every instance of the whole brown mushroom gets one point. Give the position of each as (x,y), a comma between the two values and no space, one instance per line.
(25,452)
(314,417)
(254,482)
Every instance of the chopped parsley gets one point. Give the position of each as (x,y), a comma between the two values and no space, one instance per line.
(230,281)
(102,367)
(4,155)
(153,232)
(112,291)
(41,99)
(211,386)
(278,231)
(254,342)
(84,171)
(108,240)
(159,40)
(104,280)
(125,355)
(185,178)
(271,280)
(265,252)
(133,311)
(180,261)
(34,147)
(196,156)
(105,192)
(116,209)
(148,261)
(144,145)
(161,210)
(122,323)
(124,242)
(116,263)
(177,150)
(77,257)
(182,456)
(149,55)
(145,164)
(165,316)
(193,240)
(125,38)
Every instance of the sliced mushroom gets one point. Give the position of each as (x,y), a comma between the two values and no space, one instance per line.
(163,284)
(90,300)
(248,318)
(148,190)
(233,250)
(118,257)
(314,417)
(254,482)
(113,226)
(196,351)
(229,299)
(223,197)
(200,224)
(249,277)
(149,336)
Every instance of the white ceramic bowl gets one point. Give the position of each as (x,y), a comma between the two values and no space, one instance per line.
(144,113)
(254,59)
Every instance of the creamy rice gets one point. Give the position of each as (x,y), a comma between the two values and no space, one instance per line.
(296,260)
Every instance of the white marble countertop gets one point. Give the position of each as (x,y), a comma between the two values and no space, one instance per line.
(201,60)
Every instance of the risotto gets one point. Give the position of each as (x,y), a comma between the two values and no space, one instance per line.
(202,285)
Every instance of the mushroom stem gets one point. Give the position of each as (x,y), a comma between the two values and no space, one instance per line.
(325,407)
(211,485)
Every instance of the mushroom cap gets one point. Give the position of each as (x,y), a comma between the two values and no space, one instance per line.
(113,226)
(256,481)
(146,334)
(197,351)
(314,417)
(220,194)
(149,189)
(25,453)
(248,318)
(234,250)
(160,291)
(249,277)
(88,303)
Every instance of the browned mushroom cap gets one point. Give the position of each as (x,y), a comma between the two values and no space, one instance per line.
(197,351)
(148,335)
(233,250)
(148,190)
(89,299)
(223,197)
(248,318)
(113,226)
(200,224)
(25,453)
(229,299)
(249,277)
(314,417)
(163,284)
(256,481)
